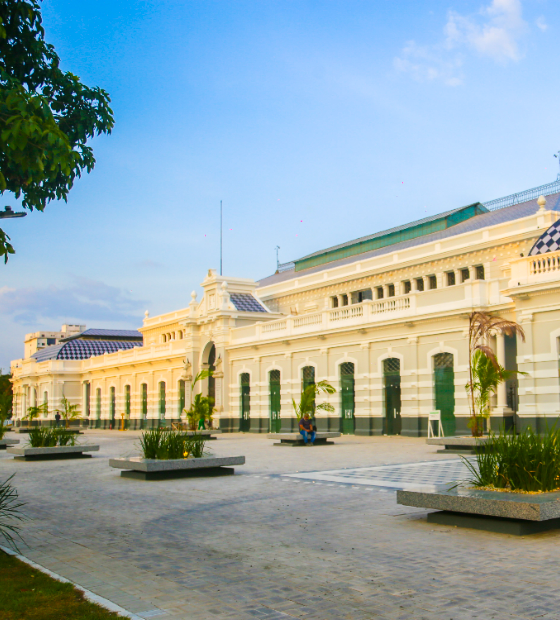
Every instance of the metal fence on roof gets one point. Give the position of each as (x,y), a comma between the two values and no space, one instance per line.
(525,196)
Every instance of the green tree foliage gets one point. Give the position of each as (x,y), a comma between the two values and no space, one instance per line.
(46,114)
(69,412)
(6,400)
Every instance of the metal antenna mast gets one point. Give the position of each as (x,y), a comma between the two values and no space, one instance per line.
(557,155)
(221,237)
(277,261)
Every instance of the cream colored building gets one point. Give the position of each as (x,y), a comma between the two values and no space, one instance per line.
(383,318)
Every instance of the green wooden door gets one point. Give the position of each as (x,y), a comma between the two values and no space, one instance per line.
(392,385)
(245,422)
(347,420)
(444,382)
(274,388)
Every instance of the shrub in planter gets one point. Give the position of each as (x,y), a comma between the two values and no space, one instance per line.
(40,437)
(527,462)
(165,444)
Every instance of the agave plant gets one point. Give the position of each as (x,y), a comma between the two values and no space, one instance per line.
(485,373)
(307,402)
(10,513)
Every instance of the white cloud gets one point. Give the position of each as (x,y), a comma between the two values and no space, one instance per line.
(425,65)
(541,23)
(83,300)
(495,32)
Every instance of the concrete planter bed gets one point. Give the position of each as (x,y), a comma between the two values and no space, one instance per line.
(494,511)
(296,439)
(207,434)
(4,443)
(56,452)
(27,429)
(457,445)
(156,469)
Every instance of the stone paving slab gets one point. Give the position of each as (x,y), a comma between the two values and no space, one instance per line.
(252,544)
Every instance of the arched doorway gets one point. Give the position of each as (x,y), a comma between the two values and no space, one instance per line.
(347,420)
(245,422)
(392,388)
(444,391)
(211,381)
(274,390)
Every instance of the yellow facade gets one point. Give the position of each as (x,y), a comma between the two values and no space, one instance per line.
(421,296)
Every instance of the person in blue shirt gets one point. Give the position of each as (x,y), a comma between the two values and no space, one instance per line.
(306,430)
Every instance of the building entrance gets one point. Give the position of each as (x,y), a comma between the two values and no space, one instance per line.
(347,421)
(245,422)
(274,389)
(444,382)
(392,385)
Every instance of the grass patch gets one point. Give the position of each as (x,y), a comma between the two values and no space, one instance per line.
(29,594)
(526,463)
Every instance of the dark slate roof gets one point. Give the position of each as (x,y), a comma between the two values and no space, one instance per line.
(83,349)
(507,214)
(246,303)
(547,242)
(107,334)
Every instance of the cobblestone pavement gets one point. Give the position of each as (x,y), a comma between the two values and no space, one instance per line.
(265,545)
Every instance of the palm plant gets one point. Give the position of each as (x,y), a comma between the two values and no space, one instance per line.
(10,513)
(485,373)
(201,409)
(307,402)
(69,412)
(34,412)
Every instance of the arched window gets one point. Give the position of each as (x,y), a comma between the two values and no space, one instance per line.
(144,390)
(87,404)
(113,405)
(162,399)
(98,404)
(444,391)
(127,399)
(181,396)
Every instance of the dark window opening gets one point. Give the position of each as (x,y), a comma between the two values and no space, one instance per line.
(379,292)
(407,287)
(344,299)
(419,284)
(450,278)
(480,272)
(391,290)
(432,281)
(334,301)
(465,275)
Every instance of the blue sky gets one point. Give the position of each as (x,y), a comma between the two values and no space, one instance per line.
(314,122)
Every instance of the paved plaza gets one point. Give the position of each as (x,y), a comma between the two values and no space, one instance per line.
(310,533)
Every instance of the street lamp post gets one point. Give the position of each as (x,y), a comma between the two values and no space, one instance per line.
(9,212)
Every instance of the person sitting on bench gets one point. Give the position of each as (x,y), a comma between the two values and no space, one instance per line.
(306,430)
